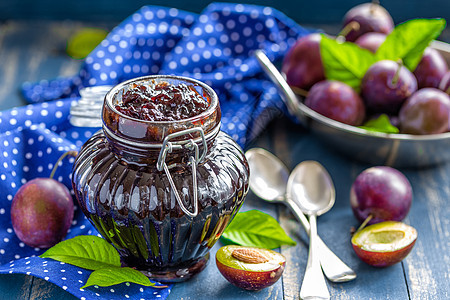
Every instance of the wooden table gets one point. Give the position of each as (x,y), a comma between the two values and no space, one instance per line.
(30,51)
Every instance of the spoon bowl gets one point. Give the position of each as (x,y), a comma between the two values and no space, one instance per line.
(314,190)
(262,163)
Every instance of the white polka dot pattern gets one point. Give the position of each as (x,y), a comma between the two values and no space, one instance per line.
(29,150)
(215,47)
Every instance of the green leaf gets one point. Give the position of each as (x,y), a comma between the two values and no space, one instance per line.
(85,251)
(94,253)
(348,63)
(257,229)
(344,61)
(116,275)
(380,124)
(84,41)
(408,41)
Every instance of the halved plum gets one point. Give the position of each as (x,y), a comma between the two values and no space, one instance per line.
(385,243)
(250,268)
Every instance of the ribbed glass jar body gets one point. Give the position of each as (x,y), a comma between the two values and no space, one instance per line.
(131,201)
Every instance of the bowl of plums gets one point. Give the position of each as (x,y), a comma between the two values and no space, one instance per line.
(376,92)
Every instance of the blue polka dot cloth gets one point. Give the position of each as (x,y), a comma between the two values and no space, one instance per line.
(215,47)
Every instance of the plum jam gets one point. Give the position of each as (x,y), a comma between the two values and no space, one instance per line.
(161,191)
(162,102)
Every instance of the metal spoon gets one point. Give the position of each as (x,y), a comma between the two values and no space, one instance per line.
(311,187)
(268,180)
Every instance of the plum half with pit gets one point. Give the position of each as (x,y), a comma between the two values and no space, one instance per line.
(42,212)
(431,69)
(250,268)
(336,100)
(386,85)
(384,244)
(371,41)
(371,17)
(303,64)
(427,111)
(381,192)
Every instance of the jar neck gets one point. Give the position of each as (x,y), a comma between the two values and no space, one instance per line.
(178,147)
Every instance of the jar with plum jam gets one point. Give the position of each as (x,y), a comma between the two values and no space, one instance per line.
(160,181)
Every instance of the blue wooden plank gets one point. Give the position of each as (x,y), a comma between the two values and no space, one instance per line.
(21,286)
(42,290)
(427,267)
(29,55)
(15,286)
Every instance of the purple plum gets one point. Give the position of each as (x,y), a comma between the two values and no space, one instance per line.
(371,17)
(42,212)
(427,111)
(336,100)
(445,83)
(431,68)
(386,85)
(303,64)
(382,192)
(371,41)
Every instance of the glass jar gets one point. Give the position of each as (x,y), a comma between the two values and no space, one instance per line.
(87,111)
(161,192)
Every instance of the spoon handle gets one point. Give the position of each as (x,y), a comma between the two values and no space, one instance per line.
(334,268)
(313,285)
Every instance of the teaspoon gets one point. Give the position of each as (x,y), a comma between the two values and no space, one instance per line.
(311,187)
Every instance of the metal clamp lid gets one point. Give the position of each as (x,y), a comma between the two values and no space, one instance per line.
(167,147)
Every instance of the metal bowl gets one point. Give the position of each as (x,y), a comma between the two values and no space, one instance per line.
(395,150)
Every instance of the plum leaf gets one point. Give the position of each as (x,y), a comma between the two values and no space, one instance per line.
(85,251)
(116,275)
(345,61)
(256,229)
(94,253)
(408,40)
(380,124)
(84,41)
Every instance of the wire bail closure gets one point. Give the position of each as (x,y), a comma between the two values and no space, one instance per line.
(189,144)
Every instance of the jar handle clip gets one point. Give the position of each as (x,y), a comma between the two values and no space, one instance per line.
(161,165)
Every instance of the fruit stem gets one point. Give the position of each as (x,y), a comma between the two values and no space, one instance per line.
(71,153)
(397,73)
(448,90)
(299,91)
(367,220)
(373,6)
(353,25)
